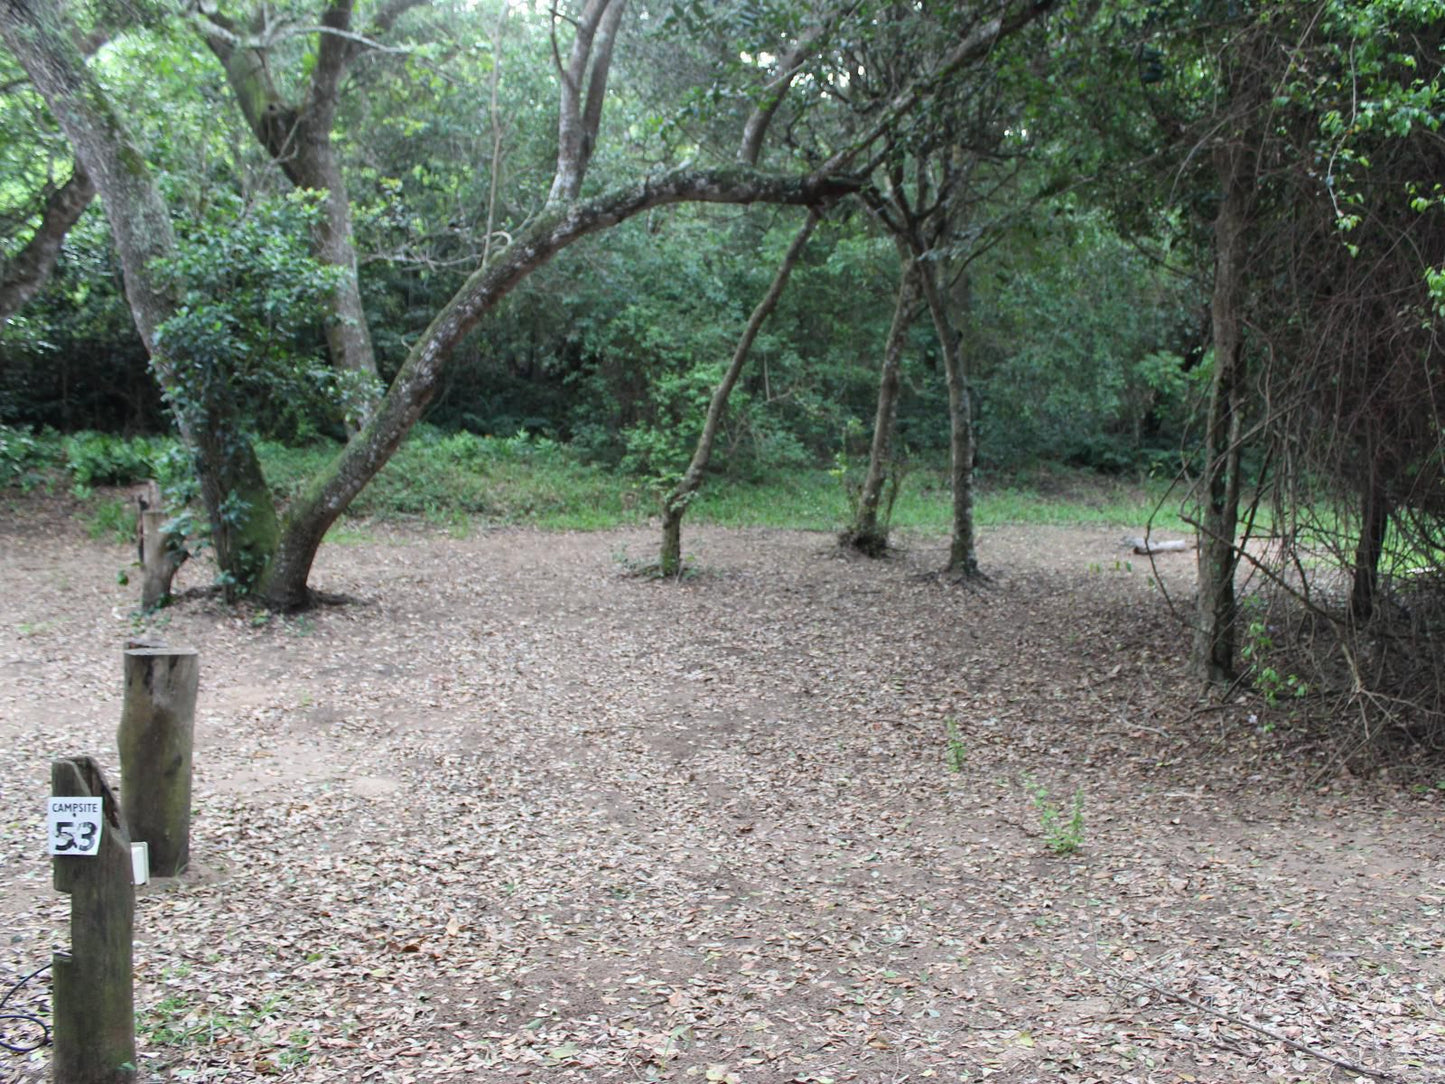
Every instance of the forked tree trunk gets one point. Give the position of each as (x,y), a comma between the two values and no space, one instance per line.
(580,109)
(674,507)
(298,139)
(1215,631)
(867,533)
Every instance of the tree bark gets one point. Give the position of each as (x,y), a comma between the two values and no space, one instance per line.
(1374,520)
(30,269)
(867,534)
(579,117)
(155,740)
(311,514)
(773,93)
(675,505)
(1215,632)
(962,551)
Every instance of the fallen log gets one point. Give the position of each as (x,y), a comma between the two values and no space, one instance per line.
(1146,546)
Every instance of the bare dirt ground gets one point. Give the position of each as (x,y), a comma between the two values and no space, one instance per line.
(514,815)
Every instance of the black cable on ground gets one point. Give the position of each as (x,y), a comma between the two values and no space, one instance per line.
(24,1018)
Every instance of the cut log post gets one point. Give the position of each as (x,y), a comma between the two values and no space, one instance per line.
(93,1001)
(161,553)
(155,738)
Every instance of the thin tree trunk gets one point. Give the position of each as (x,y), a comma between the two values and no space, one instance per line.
(1215,632)
(348,338)
(580,115)
(675,506)
(25,274)
(1374,519)
(962,554)
(867,534)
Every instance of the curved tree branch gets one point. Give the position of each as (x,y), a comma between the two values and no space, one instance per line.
(24,275)
(420,377)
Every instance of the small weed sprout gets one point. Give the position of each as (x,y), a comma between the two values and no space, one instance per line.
(957,751)
(1063,834)
(1257,649)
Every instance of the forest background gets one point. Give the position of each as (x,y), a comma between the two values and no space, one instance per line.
(1193,241)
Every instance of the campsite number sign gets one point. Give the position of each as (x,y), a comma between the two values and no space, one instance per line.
(73,825)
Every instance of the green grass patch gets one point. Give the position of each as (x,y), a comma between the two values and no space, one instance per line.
(457,480)
(814,500)
(112,520)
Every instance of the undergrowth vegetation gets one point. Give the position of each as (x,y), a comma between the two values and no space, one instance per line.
(460,479)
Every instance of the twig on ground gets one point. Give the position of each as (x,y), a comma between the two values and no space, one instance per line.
(1269,1033)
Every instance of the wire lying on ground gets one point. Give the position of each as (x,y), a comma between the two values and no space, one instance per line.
(9,1019)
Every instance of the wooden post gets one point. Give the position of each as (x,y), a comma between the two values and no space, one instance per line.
(94,1007)
(161,554)
(157,728)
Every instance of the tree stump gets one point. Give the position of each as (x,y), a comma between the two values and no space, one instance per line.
(155,738)
(94,1006)
(161,553)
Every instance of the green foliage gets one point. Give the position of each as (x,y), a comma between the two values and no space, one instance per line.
(1079,366)
(113,521)
(71,359)
(26,457)
(956,750)
(103,459)
(181,1030)
(1063,831)
(251,297)
(1260,654)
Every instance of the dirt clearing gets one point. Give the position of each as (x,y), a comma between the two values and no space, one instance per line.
(511,814)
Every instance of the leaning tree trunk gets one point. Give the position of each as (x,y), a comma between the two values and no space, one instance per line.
(237,498)
(1215,632)
(962,555)
(867,534)
(674,507)
(311,514)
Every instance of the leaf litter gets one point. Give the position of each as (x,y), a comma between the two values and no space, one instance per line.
(510,811)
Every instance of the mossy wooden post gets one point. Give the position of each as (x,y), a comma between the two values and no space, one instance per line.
(94,1007)
(157,728)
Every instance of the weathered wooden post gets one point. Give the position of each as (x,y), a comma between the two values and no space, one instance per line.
(161,554)
(157,729)
(94,1008)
